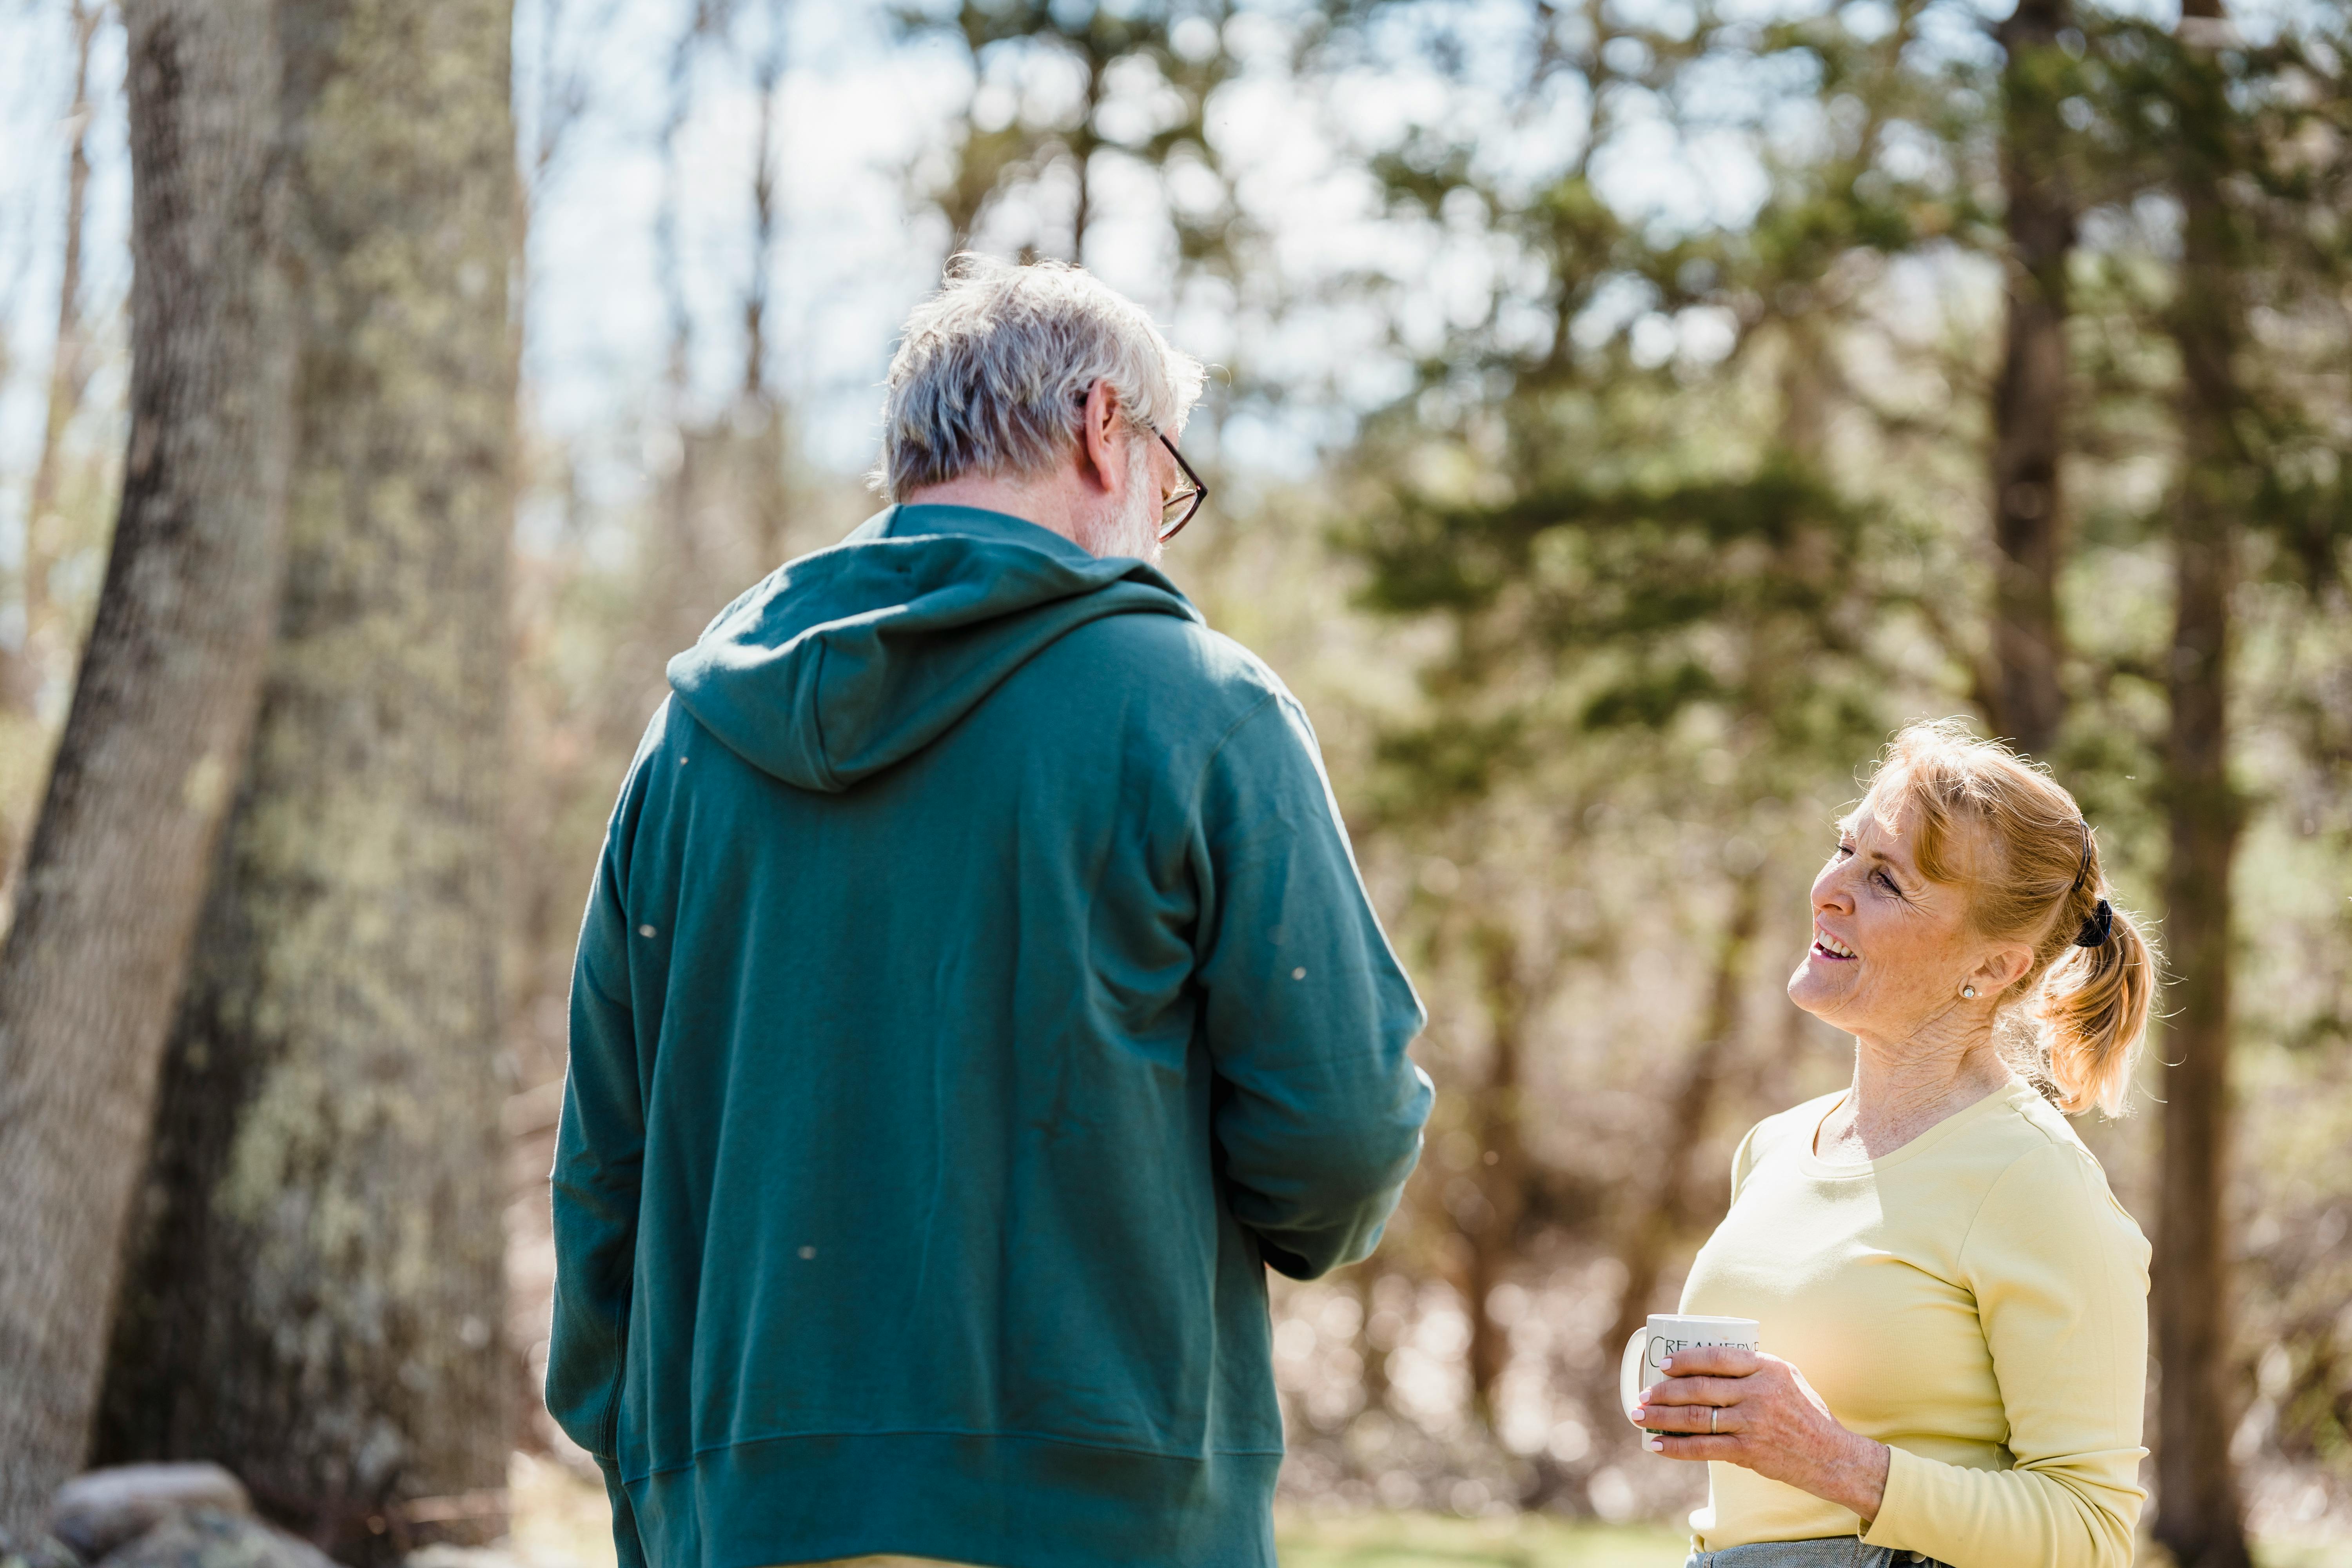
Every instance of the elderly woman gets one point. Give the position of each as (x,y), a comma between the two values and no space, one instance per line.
(1953,1303)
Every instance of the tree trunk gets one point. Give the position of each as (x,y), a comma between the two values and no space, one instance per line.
(1804,394)
(1085,142)
(1681,1175)
(2199,1513)
(768,72)
(317,1287)
(758,422)
(1488,1210)
(2030,398)
(1371,1346)
(144,773)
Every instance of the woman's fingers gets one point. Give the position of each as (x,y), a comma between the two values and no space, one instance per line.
(1699,1447)
(1697,1391)
(1684,1418)
(1714,1360)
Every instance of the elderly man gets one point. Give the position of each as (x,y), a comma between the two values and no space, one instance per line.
(976,995)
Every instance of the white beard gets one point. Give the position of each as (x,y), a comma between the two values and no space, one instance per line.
(1134,528)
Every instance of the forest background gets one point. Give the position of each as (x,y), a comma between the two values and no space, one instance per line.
(1623,414)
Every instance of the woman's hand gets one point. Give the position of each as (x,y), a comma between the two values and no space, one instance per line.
(1767,1418)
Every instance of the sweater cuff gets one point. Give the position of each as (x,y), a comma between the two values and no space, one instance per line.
(1895,1507)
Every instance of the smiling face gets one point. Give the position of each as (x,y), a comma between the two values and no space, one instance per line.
(1892,948)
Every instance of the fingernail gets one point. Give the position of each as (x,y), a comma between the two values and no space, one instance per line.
(1656,1445)
(1641,1413)
(1667,1364)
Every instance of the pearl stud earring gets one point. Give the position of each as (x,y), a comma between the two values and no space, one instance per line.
(1970,992)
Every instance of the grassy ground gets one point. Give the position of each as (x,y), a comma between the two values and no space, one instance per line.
(560,1521)
(2318,1551)
(1430,1541)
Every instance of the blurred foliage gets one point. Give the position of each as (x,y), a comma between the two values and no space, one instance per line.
(1137,81)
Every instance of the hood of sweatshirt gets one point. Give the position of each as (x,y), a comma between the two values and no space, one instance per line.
(837,665)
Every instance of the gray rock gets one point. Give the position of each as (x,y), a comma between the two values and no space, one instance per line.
(98,1511)
(36,1552)
(206,1538)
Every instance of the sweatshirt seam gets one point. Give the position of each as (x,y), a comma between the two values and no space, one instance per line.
(608,1422)
(830,781)
(1201,783)
(603,992)
(710,1448)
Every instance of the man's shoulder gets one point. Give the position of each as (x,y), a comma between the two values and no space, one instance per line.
(1180,661)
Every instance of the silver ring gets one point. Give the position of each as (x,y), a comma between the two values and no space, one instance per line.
(1712,1411)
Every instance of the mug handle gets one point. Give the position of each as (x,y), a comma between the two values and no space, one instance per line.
(1629,1385)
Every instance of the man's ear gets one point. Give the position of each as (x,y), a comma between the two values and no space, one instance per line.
(1099,439)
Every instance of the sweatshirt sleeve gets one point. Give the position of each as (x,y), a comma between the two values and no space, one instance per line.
(1308,1014)
(599,1152)
(2060,1273)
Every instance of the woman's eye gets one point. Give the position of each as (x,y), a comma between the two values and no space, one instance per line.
(1845,849)
(1887,882)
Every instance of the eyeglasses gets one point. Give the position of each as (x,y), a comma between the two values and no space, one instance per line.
(1178,509)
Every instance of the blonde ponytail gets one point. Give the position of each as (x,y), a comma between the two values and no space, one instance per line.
(2093,1013)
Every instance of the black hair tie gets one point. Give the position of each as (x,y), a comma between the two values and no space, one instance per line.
(2096,926)
(2082,871)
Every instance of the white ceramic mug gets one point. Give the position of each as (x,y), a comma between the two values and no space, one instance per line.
(1668,1334)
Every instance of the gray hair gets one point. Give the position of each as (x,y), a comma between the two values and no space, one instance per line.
(991,370)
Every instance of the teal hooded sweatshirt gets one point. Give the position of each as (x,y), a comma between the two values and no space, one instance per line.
(976,995)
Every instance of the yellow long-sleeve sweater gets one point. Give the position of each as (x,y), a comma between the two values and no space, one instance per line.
(1976,1301)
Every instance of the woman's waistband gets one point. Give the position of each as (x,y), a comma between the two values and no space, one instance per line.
(1832,1552)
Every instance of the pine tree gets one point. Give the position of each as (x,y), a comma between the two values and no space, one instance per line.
(2030,399)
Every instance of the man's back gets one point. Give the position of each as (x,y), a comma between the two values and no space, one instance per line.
(977,992)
